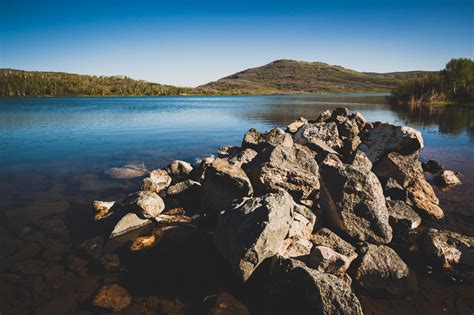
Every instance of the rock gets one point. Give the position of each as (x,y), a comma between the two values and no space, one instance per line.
(127,223)
(303,222)
(353,201)
(158,181)
(171,307)
(382,271)
(188,193)
(350,145)
(394,190)
(297,124)
(402,217)
(407,171)
(127,171)
(143,242)
(110,262)
(146,204)
(92,247)
(295,247)
(316,133)
(183,187)
(257,141)
(325,237)
(359,119)
(225,304)
(76,264)
(179,170)
(387,138)
(102,209)
(447,178)
(290,168)
(243,157)
(112,297)
(450,249)
(223,184)
(347,128)
(324,116)
(228,151)
(311,291)
(253,231)
(432,166)
(340,111)
(324,259)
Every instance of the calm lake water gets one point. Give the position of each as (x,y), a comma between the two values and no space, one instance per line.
(55,152)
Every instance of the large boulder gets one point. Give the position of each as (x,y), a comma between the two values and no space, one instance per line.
(291,168)
(353,201)
(258,141)
(450,249)
(223,184)
(407,171)
(187,192)
(179,170)
(381,271)
(297,242)
(146,204)
(243,157)
(253,231)
(402,217)
(299,289)
(158,181)
(386,138)
(327,238)
(319,132)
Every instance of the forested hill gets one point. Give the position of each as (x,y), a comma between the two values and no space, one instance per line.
(35,83)
(290,76)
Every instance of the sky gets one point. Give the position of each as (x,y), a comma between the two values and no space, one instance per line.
(188,43)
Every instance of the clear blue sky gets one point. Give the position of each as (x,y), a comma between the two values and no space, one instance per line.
(192,42)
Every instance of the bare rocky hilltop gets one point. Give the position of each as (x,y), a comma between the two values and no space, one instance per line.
(306,219)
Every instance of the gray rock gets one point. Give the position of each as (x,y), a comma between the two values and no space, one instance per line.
(127,223)
(223,184)
(290,168)
(347,128)
(450,249)
(316,292)
(258,141)
(253,231)
(402,218)
(359,119)
(179,170)
(352,199)
(325,259)
(407,171)
(146,204)
(243,157)
(447,178)
(158,181)
(394,190)
(228,151)
(297,124)
(326,237)
(324,117)
(317,133)
(182,187)
(188,193)
(382,271)
(387,138)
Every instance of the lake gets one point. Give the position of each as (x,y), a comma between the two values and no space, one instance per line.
(55,154)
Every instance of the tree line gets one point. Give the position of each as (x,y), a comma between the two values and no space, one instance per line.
(26,83)
(455,83)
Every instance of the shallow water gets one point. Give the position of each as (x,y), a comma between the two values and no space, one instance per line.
(56,155)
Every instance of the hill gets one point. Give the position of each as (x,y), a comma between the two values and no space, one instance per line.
(36,83)
(290,76)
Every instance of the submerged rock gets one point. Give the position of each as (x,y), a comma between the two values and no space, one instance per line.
(225,304)
(432,166)
(127,171)
(253,231)
(447,178)
(291,168)
(146,204)
(382,271)
(112,297)
(449,248)
(352,199)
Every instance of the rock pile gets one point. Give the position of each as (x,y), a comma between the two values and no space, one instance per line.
(315,208)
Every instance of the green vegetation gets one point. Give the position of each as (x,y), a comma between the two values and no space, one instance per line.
(453,84)
(29,83)
(289,76)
